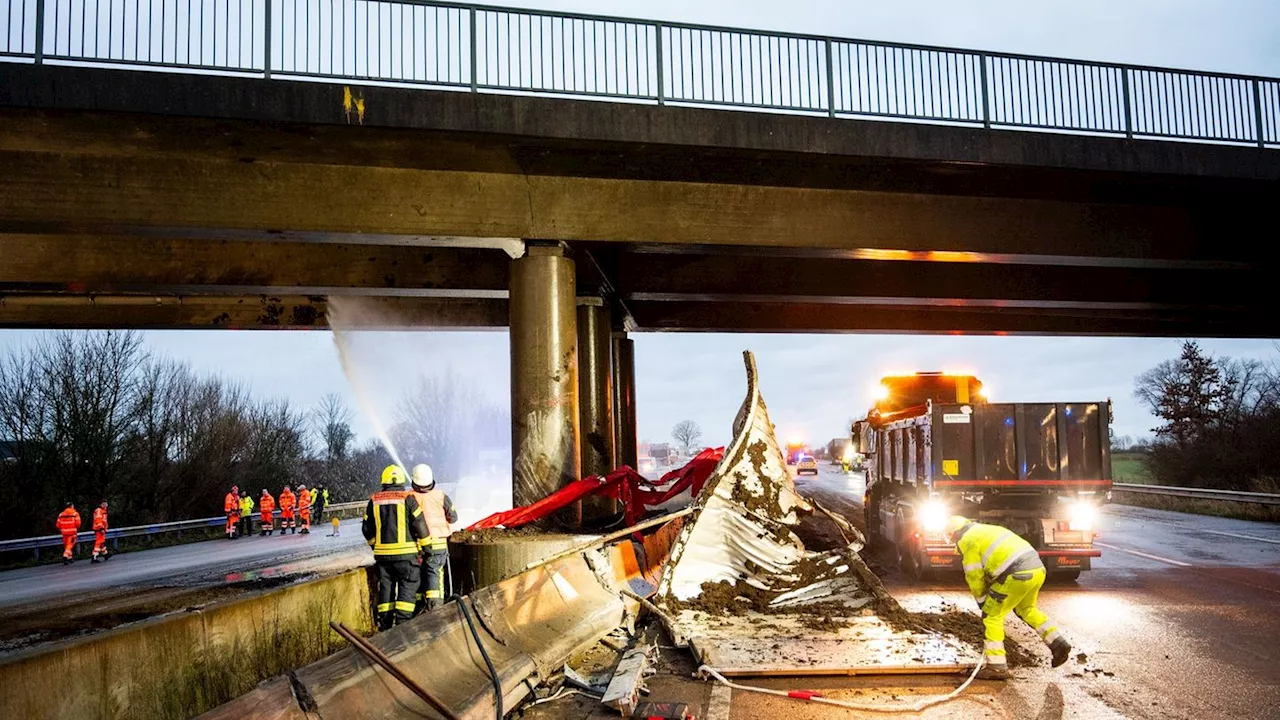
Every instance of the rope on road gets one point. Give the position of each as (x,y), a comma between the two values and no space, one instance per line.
(707,671)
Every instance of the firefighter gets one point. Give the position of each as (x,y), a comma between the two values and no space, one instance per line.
(246,515)
(286,510)
(267,513)
(437,510)
(304,509)
(395,528)
(100,533)
(68,526)
(231,506)
(1005,573)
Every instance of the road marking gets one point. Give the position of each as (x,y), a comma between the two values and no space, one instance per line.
(1157,558)
(1242,537)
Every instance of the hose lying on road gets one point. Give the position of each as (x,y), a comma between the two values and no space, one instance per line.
(706,671)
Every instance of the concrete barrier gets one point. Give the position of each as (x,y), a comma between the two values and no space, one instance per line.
(180,665)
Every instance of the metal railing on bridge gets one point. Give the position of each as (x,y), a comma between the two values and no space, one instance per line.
(114,534)
(486,48)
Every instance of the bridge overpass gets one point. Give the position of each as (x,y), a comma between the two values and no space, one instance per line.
(577,177)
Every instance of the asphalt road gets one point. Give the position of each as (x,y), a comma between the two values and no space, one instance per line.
(1177,617)
(48,602)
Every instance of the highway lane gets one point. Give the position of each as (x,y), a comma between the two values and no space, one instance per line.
(47,602)
(1177,618)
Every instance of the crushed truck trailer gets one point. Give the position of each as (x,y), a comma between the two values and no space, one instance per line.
(936,447)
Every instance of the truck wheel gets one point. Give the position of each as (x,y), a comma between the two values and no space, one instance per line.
(907,559)
(1064,576)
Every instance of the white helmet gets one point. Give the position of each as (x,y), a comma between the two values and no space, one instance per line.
(423,478)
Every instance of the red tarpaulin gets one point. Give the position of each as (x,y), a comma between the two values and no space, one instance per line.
(635,491)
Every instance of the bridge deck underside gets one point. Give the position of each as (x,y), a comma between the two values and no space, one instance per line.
(161,219)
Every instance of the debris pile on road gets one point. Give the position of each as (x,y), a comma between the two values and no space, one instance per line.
(747,597)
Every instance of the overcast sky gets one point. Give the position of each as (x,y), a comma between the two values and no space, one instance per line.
(814,384)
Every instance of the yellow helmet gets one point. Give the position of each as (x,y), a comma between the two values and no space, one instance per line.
(393,475)
(956,524)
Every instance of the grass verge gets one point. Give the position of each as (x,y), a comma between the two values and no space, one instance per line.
(1219,508)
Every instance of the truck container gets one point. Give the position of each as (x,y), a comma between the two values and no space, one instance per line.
(1039,469)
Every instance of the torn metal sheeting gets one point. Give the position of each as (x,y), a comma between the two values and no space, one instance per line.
(742,535)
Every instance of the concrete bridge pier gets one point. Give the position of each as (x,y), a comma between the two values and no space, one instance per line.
(595,401)
(624,399)
(544,377)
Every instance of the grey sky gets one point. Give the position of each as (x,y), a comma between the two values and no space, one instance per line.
(813,384)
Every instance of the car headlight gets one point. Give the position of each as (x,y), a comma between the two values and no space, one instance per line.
(1081,515)
(933,516)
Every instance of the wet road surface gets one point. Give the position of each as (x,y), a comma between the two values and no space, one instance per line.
(46,602)
(1176,620)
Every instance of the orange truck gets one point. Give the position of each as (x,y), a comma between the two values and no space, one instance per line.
(935,446)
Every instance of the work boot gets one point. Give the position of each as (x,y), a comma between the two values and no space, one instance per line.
(1061,650)
(994,672)
(94,560)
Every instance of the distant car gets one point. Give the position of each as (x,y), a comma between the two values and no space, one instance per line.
(806,464)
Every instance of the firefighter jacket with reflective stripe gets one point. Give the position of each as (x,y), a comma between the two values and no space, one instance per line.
(991,554)
(304,500)
(437,510)
(231,504)
(100,519)
(286,501)
(394,526)
(68,521)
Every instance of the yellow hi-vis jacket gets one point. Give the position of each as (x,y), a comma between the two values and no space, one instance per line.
(246,505)
(991,554)
(394,526)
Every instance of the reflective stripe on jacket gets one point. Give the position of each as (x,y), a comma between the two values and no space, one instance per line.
(68,521)
(99,519)
(992,553)
(394,526)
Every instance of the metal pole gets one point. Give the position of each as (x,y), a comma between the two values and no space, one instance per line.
(661,82)
(544,377)
(368,650)
(595,402)
(266,43)
(40,31)
(474,72)
(1128,114)
(624,399)
(831,84)
(986,96)
(1257,112)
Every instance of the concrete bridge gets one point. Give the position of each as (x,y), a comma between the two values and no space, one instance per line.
(716,180)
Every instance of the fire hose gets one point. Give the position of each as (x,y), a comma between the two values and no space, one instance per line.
(707,671)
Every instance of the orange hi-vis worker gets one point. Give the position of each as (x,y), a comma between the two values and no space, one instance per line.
(100,533)
(267,509)
(287,503)
(304,509)
(231,506)
(68,526)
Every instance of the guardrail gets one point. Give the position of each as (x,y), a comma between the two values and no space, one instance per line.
(114,534)
(487,48)
(1201,493)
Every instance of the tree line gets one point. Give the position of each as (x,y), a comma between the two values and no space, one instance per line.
(1220,421)
(92,416)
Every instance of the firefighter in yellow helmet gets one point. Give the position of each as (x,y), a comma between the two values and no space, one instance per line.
(395,528)
(1005,573)
(437,510)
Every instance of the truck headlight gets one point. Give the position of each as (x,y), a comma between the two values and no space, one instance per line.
(1082,515)
(933,517)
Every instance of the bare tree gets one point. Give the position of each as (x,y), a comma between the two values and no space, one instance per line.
(687,434)
(446,423)
(332,424)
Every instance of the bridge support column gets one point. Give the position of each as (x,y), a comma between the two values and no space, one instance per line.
(624,399)
(544,377)
(595,401)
